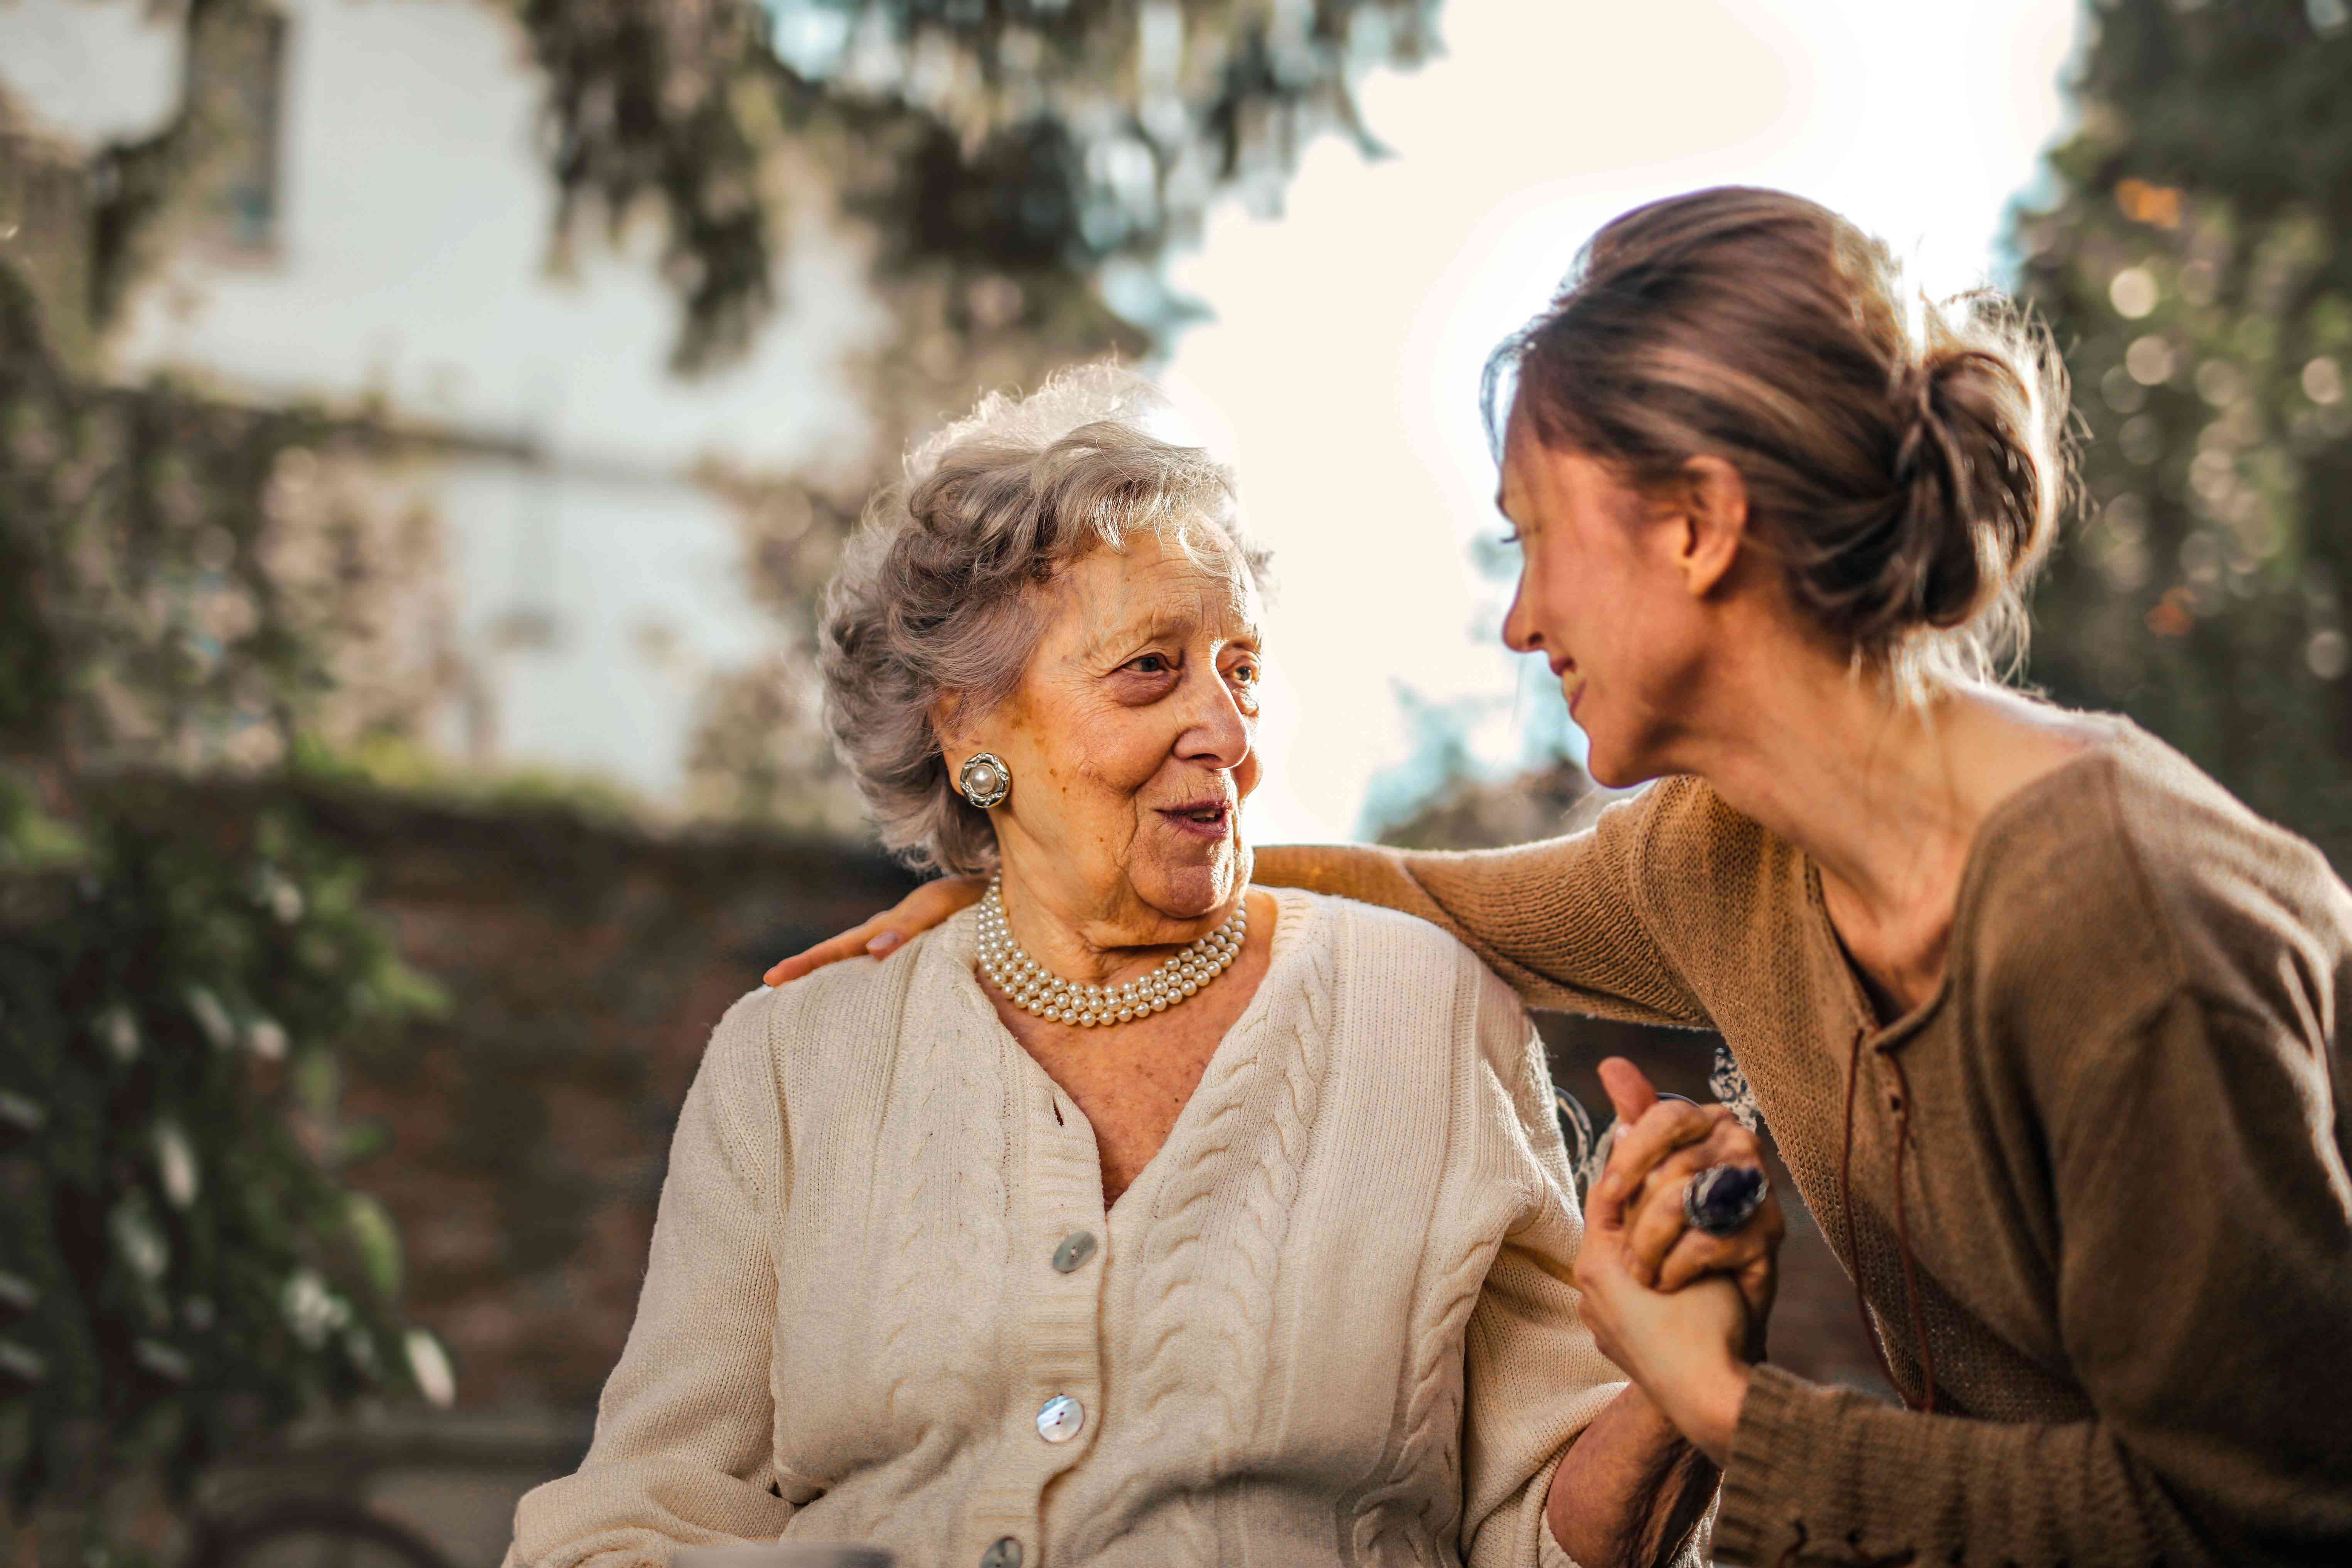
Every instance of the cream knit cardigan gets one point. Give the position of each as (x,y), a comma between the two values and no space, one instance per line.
(1331,1322)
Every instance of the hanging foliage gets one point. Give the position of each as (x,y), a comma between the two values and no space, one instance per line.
(1046,139)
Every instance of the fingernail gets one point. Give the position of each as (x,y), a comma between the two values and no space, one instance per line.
(883,943)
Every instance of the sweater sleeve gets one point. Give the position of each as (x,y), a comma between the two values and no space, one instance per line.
(1534,1379)
(2221,1432)
(684,1447)
(1557,918)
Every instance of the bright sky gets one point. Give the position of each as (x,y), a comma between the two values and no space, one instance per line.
(1341,371)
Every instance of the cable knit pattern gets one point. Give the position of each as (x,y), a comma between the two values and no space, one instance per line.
(1254,1105)
(945,1199)
(1329,1324)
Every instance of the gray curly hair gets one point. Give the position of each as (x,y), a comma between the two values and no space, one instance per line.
(938,594)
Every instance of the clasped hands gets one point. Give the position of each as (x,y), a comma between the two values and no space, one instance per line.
(1682,1312)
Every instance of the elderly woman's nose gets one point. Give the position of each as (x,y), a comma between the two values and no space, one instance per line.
(1216,730)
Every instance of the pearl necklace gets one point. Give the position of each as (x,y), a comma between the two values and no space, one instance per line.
(1035,988)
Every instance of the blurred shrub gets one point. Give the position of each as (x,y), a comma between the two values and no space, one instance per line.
(2197,266)
(181,1266)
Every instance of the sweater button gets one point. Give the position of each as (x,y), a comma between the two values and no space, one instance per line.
(1005,1553)
(1076,1249)
(1060,1417)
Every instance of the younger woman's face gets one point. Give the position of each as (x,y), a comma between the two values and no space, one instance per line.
(1604,599)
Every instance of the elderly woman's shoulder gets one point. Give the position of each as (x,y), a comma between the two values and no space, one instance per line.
(836,998)
(1384,947)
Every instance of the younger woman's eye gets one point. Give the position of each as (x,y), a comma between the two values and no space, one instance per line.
(1244,675)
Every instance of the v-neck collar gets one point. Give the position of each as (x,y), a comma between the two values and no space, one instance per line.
(1295,913)
(1881,1035)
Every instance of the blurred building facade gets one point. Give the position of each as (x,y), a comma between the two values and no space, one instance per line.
(373,233)
(378,242)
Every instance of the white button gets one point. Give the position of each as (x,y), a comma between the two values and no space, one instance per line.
(1059,1420)
(1076,1249)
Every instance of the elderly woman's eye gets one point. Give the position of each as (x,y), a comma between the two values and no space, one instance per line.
(1150,663)
(1245,674)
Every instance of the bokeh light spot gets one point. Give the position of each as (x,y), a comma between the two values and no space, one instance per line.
(2327,654)
(2133,292)
(2323,381)
(2149,360)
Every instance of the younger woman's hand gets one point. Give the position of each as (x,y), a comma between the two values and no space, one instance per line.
(1659,1145)
(913,915)
(1685,1349)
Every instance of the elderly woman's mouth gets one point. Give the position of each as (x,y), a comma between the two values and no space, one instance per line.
(1204,821)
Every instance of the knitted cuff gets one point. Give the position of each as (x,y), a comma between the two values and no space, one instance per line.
(1760,1483)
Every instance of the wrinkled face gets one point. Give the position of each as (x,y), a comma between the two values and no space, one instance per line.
(1601,599)
(1131,741)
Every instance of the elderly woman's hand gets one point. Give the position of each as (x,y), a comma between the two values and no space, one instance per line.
(913,915)
(1659,1146)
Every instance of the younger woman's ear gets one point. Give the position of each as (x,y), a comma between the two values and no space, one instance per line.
(1713,506)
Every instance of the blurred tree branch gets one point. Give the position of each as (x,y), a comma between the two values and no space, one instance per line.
(2197,266)
(1046,139)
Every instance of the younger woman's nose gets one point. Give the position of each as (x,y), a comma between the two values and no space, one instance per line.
(1519,632)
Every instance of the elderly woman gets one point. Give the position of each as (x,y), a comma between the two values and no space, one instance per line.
(1134,1216)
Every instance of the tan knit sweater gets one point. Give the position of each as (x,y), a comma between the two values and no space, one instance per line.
(1330,1322)
(2124,1185)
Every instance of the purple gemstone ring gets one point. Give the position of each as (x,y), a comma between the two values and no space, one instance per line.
(1722,1198)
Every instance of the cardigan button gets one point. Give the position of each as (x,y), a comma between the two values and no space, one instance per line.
(1076,1249)
(1059,1418)
(1005,1553)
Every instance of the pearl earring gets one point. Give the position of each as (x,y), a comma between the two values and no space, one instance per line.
(985,781)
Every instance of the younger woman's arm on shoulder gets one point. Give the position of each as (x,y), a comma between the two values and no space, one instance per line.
(683,1444)
(1557,919)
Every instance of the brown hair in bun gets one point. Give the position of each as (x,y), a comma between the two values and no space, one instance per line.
(1905,460)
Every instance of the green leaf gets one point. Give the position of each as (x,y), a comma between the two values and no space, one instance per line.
(377,1242)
